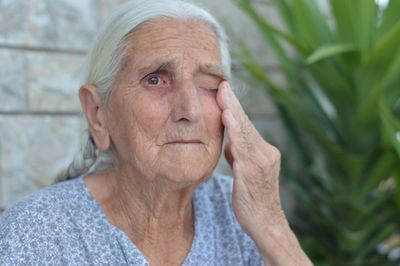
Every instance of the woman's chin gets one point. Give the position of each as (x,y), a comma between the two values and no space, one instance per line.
(188,172)
(187,167)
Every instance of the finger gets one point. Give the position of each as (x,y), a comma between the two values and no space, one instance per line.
(231,124)
(220,100)
(228,153)
(245,141)
(237,135)
(239,128)
(241,132)
(227,99)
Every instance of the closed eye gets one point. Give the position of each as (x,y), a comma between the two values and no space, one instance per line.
(207,82)
(212,89)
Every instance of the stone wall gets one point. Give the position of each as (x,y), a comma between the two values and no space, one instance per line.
(42,50)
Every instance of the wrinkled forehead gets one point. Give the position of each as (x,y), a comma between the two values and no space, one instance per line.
(163,41)
(178,26)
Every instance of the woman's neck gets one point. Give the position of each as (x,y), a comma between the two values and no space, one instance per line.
(155,214)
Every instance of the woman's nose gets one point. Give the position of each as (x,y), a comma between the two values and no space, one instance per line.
(186,104)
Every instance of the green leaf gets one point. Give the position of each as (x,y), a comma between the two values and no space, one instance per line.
(286,14)
(355,29)
(310,25)
(380,169)
(344,19)
(389,18)
(383,51)
(387,79)
(396,174)
(329,50)
(391,126)
(265,26)
(384,232)
(364,24)
(393,74)
(296,109)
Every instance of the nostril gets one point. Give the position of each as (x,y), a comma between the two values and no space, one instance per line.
(187,112)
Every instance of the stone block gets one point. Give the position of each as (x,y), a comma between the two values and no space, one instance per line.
(54,80)
(33,150)
(13,81)
(272,130)
(52,24)
(256,102)
(107,7)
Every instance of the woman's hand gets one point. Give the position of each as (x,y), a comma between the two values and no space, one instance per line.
(255,199)
(255,165)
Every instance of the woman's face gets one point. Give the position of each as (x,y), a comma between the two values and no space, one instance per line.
(163,118)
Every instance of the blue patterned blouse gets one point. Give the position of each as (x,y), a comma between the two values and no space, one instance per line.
(64,225)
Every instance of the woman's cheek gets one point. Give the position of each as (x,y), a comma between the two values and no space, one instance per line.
(211,105)
(151,112)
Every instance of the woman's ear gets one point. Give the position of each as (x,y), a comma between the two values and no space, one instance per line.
(95,114)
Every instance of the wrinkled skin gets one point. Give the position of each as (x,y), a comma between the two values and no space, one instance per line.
(256,202)
(169,123)
(164,121)
(255,165)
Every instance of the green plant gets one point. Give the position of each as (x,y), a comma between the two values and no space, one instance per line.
(341,112)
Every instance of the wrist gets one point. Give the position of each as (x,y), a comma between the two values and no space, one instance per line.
(279,246)
(273,235)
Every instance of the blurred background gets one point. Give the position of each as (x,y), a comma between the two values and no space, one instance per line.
(320,79)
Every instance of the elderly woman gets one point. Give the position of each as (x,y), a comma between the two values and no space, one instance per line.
(157,100)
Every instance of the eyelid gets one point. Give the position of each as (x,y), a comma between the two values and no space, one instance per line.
(159,73)
(209,89)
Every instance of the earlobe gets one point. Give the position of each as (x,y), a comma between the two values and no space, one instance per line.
(95,114)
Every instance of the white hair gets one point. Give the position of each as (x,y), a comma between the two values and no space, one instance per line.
(106,55)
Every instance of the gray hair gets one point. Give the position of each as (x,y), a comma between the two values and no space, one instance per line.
(106,56)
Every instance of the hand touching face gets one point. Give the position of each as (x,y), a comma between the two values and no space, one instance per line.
(255,165)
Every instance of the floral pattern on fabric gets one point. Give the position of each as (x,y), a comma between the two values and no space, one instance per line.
(64,225)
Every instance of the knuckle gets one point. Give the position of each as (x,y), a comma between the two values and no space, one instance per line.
(244,130)
(275,154)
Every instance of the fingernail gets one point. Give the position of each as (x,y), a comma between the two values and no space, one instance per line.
(226,85)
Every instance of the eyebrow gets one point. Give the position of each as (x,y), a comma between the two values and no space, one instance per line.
(214,70)
(162,65)
(156,66)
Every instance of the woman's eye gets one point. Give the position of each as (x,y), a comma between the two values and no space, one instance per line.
(154,80)
(209,89)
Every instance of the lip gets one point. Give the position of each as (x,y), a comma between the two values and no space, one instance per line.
(194,141)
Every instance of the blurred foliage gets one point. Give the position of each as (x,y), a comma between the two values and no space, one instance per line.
(341,111)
